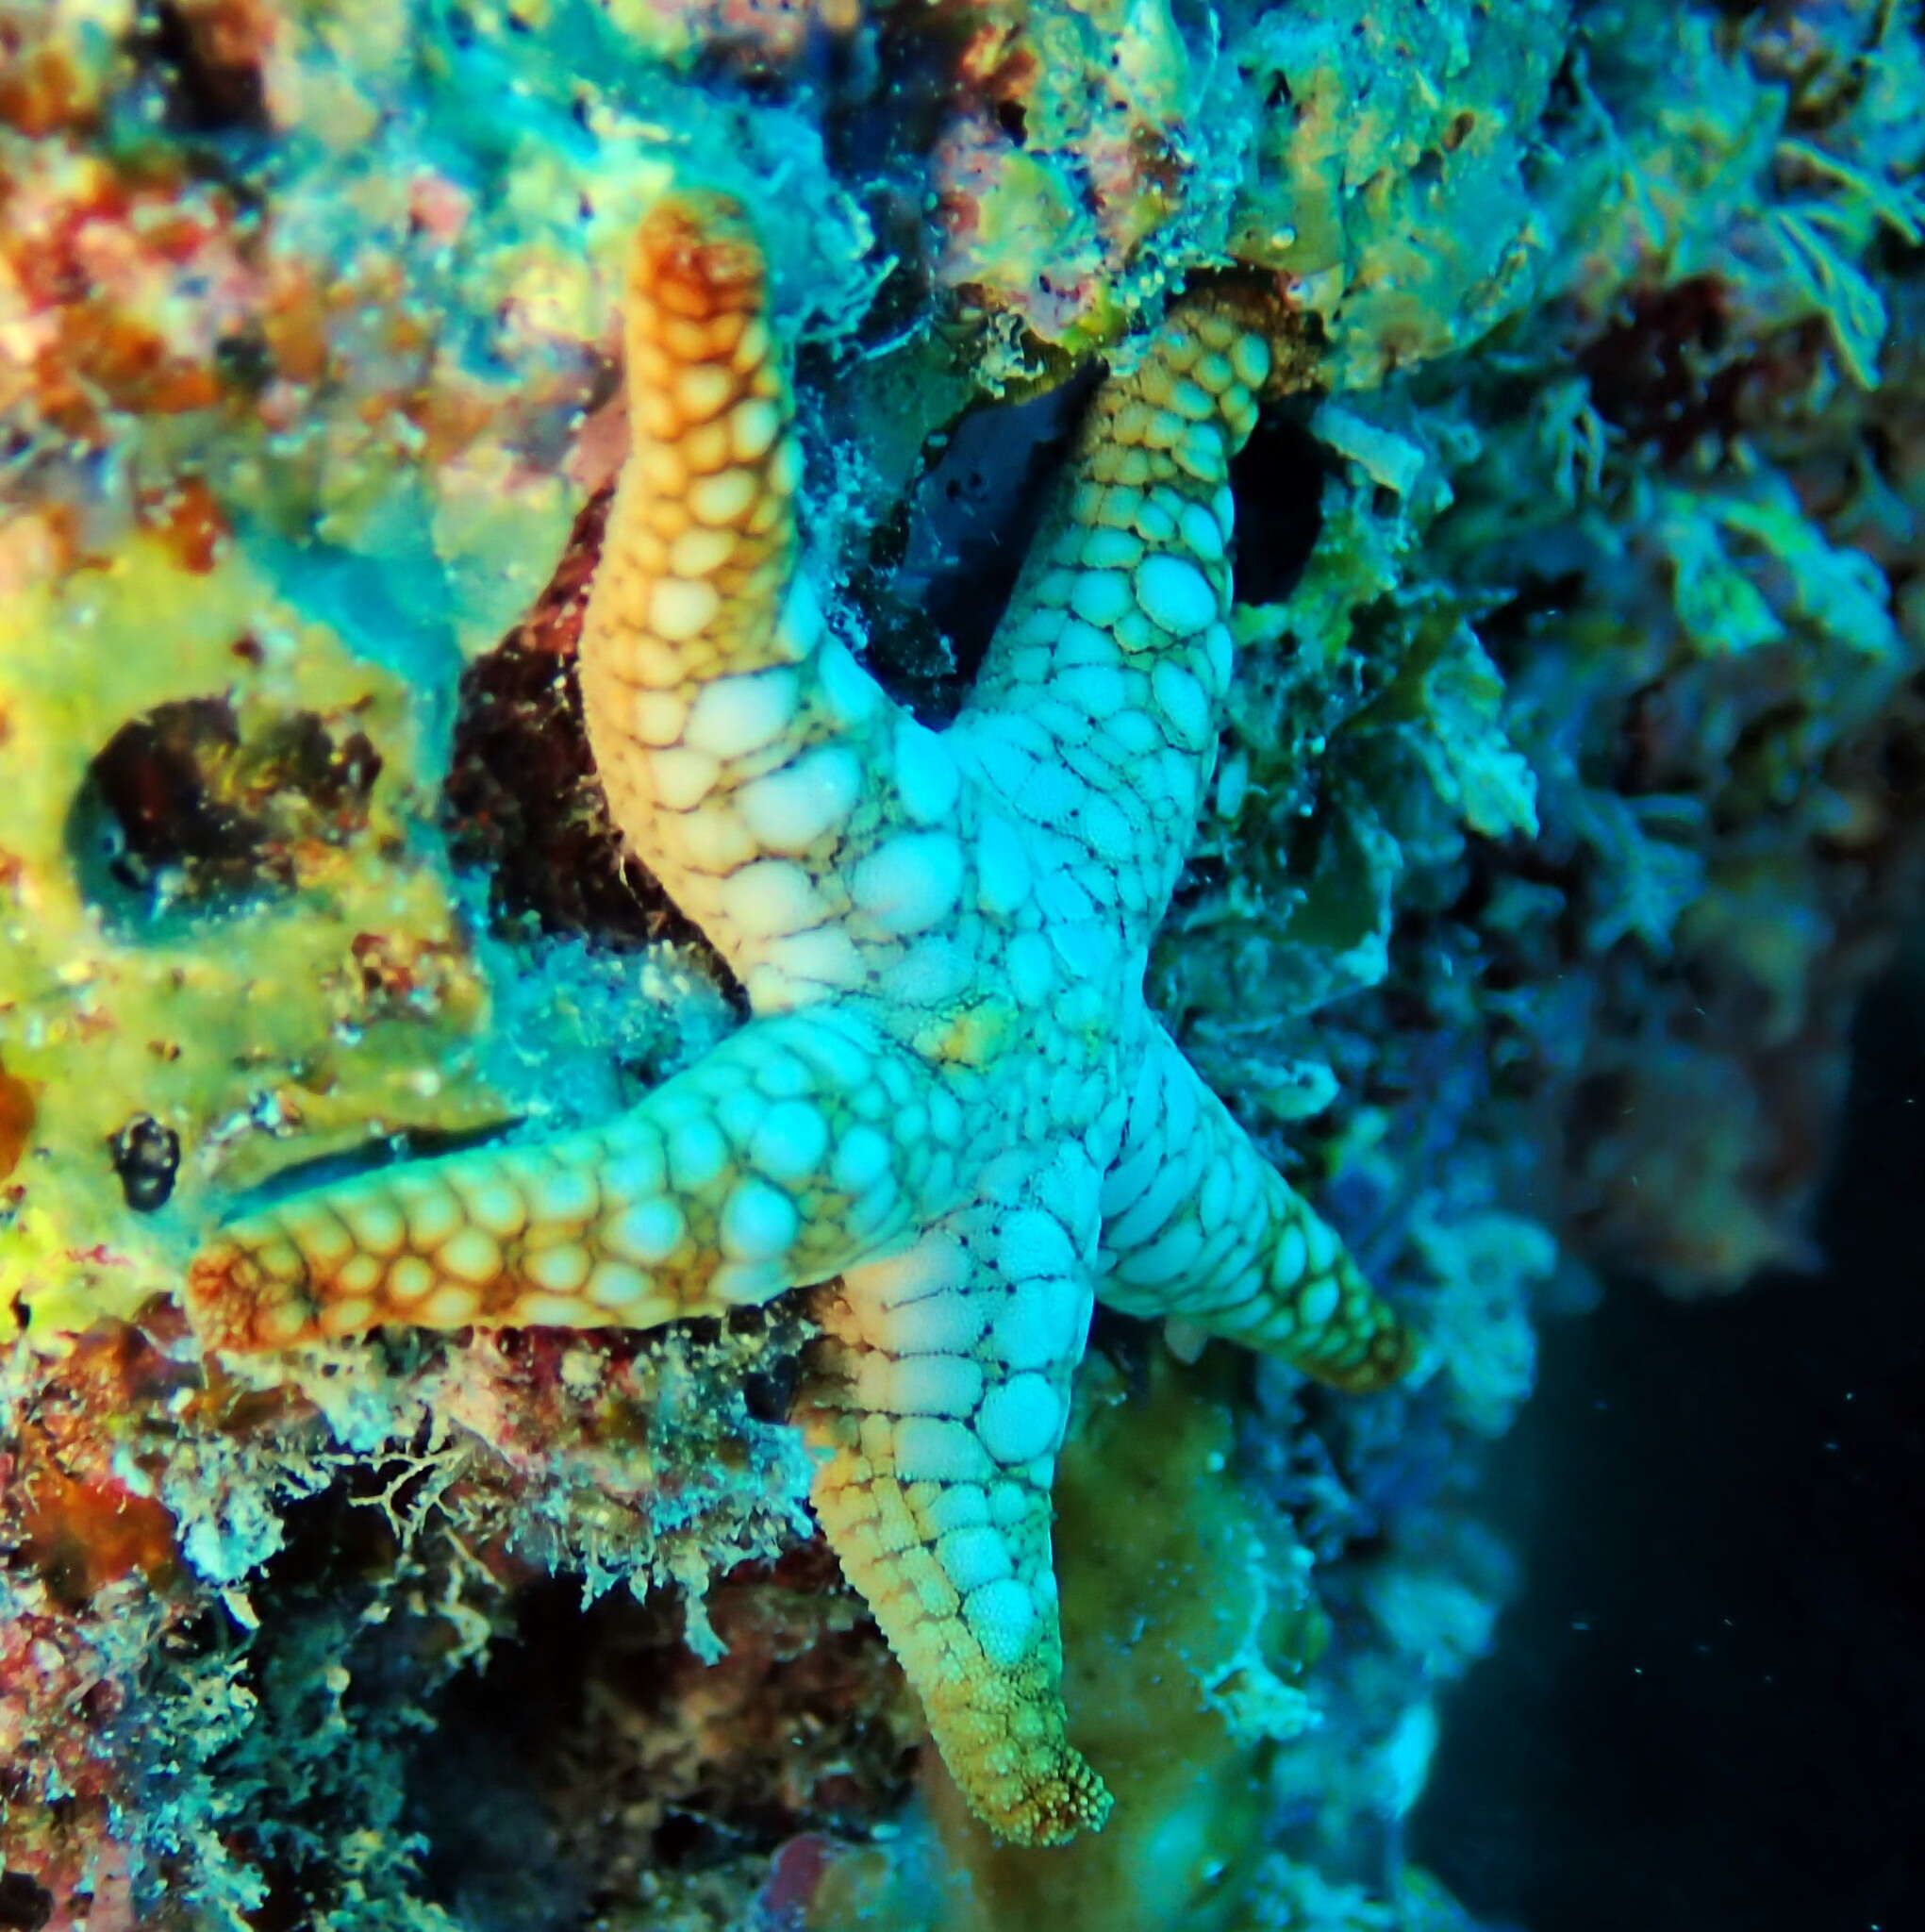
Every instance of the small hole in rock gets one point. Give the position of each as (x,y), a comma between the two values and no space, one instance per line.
(969,523)
(1278,482)
(146,1156)
(203,91)
(187,809)
(24,1906)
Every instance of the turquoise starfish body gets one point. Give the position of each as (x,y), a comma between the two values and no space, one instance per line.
(952,1108)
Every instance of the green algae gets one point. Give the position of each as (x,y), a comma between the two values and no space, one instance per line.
(217,1025)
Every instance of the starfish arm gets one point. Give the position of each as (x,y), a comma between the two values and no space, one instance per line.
(940,1402)
(784,1154)
(1094,716)
(750,761)
(1196,1222)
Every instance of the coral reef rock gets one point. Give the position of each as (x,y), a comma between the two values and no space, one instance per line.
(1569,789)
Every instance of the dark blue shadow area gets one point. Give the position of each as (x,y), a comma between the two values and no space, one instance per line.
(1707,1708)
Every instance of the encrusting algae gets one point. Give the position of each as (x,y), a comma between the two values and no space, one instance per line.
(350,995)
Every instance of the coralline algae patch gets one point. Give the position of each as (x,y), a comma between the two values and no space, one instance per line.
(217,920)
(1067,162)
(298,366)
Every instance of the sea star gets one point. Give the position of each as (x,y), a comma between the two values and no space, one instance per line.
(952,1108)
